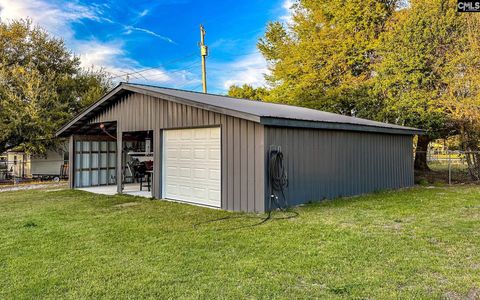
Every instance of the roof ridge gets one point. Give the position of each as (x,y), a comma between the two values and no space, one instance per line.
(180,90)
(226,96)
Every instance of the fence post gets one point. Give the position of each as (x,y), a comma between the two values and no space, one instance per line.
(449,168)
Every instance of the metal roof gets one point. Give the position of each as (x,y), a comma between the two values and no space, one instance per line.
(262,112)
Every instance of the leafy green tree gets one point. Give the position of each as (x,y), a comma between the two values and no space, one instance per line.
(412,63)
(248,92)
(461,99)
(410,79)
(324,59)
(41,86)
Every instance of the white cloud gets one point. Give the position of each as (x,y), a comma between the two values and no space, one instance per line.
(101,54)
(287,6)
(143,13)
(131,28)
(111,56)
(95,53)
(250,69)
(54,19)
(58,21)
(177,78)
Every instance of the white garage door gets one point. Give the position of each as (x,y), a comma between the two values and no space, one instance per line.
(191,165)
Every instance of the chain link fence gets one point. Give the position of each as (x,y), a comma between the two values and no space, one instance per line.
(452,167)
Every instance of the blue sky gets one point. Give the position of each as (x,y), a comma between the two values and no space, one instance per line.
(127,36)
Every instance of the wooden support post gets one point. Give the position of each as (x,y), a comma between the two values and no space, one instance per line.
(71,162)
(119,159)
(449,167)
(157,164)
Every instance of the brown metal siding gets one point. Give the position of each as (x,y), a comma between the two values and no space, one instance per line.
(328,164)
(242,143)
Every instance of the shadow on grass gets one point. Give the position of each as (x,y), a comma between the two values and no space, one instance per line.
(235,222)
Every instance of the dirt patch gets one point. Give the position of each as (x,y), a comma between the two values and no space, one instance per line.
(473,294)
(128,204)
(440,177)
(54,190)
(451,296)
(37,186)
(395,226)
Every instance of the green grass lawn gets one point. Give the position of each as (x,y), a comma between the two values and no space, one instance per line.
(417,243)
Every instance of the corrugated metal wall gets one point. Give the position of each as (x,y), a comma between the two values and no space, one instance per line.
(328,164)
(243,157)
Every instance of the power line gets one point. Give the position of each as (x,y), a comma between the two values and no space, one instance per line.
(237,69)
(169,62)
(191,66)
(153,68)
(197,87)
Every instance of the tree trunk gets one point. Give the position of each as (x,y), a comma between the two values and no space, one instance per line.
(472,164)
(421,153)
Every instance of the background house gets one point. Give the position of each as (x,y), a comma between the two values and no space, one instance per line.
(18,164)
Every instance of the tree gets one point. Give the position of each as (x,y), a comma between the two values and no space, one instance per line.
(413,63)
(461,75)
(41,86)
(324,59)
(247,92)
(410,79)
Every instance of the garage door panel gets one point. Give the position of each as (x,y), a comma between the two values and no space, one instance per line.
(185,190)
(185,153)
(199,173)
(173,171)
(213,154)
(214,195)
(200,193)
(185,172)
(214,174)
(199,153)
(200,134)
(192,173)
(173,188)
(172,154)
(186,135)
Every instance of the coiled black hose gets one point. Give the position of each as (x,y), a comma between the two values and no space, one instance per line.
(278,183)
(278,178)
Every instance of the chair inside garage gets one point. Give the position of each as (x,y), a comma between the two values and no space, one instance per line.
(137,163)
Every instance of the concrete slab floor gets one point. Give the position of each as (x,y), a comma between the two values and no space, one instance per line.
(129,189)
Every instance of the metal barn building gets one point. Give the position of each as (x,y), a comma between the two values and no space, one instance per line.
(214,150)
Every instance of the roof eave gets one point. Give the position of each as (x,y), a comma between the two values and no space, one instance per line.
(284,122)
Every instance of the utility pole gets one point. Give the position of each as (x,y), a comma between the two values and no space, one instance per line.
(204,53)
